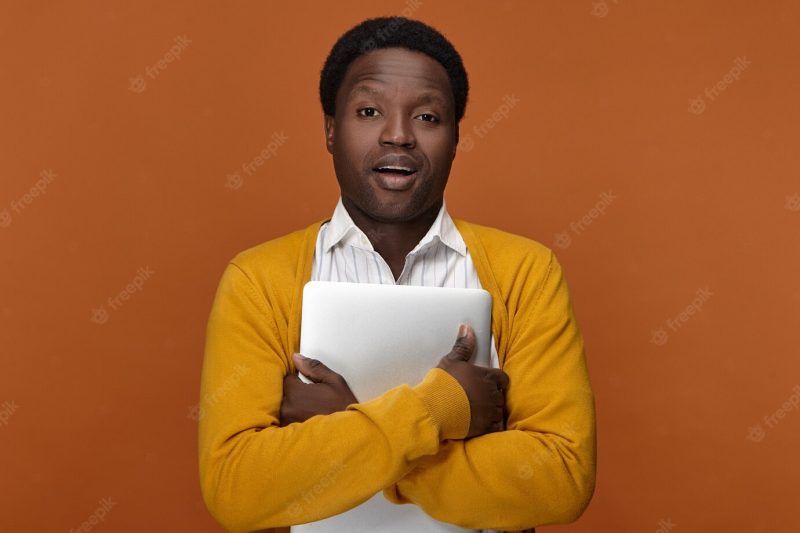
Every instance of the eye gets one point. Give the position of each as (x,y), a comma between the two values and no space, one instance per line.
(427,117)
(368,112)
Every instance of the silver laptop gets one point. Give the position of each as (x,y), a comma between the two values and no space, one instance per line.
(381,336)
(378,337)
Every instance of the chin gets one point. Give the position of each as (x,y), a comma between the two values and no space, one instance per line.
(394,207)
(412,213)
(398,214)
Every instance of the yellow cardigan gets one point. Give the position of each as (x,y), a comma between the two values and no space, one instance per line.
(255,474)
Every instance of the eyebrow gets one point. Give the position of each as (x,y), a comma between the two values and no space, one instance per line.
(364,90)
(431,96)
(425,97)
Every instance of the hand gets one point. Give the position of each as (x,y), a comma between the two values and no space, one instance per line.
(485,387)
(327,394)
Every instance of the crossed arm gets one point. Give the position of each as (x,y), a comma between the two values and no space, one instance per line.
(409,442)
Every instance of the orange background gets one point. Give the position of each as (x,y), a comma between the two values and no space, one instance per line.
(701,198)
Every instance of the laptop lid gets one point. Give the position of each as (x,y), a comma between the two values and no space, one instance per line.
(380,336)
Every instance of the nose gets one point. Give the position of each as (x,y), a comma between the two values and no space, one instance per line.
(397,131)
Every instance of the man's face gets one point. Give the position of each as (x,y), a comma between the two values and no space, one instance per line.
(393,138)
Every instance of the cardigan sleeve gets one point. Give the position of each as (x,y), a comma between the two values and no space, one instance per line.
(541,470)
(255,474)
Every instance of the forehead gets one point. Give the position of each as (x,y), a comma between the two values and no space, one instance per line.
(396,67)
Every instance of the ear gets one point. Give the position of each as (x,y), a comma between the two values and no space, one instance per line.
(329,127)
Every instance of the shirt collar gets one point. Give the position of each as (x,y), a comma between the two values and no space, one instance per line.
(342,230)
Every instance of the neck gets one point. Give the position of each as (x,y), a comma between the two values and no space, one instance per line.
(393,240)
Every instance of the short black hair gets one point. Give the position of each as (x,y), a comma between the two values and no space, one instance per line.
(392,32)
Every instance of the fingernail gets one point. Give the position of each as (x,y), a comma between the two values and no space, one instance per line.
(462,331)
(301,356)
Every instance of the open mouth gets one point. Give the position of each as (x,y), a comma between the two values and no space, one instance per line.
(395,178)
(391,170)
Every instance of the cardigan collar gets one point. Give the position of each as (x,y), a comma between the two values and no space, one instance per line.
(342,230)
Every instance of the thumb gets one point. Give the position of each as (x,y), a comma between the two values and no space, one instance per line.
(313,369)
(465,344)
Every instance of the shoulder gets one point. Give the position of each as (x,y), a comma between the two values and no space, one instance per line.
(278,259)
(506,252)
(271,251)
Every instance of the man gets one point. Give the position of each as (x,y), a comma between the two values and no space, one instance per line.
(275,451)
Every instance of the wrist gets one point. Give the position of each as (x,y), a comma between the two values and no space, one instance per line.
(447,403)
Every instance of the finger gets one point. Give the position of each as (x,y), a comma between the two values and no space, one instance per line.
(506,380)
(291,388)
(502,379)
(314,369)
(495,379)
(499,413)
(292,380)
(498,398)
(465,344)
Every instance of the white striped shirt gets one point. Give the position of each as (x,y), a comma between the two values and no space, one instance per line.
(440,259)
